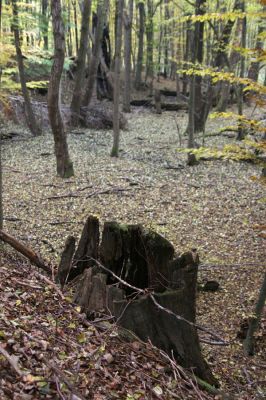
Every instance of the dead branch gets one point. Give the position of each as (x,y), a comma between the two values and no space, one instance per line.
(12,361)
(25,251)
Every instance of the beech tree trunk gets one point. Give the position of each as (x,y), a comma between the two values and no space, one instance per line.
(30,117)
(240,94)
(150,39)
(128,39)
(98,24)
(81,63)
(116,126)
(64,165)
(195,93)
(140,45)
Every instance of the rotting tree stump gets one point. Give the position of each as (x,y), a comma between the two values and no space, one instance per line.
(145,260)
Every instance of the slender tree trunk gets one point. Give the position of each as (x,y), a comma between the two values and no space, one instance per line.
(116,127)
(69,40)
(81,63)
(45,22)
(254,322)
(128,40)
(150,39)
(63,162)
(195,94)
(187,51)
(241,129)
(30,118)
(76,26)
(138,78)
(96,51)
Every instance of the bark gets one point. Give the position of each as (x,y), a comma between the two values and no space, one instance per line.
(81,63)
(128,41)
(45,22)
(69,31)
(150,39)
(240,101)
(74,2)
(254,322)
(157,101)
(98,23)
(64,165)
(66,261)
(196,121)
(87,250)
(25,251)
(199,122)
(30,118)
(116,127)
(253,72)
(138,78)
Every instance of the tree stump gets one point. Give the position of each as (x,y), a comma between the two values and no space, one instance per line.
(66,260)
(157,101)
(88,246)
(145,260)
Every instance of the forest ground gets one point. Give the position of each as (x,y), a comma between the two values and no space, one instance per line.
(215,207)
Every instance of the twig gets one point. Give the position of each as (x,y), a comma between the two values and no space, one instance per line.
(12,361)
(62,196)
(149,294)
(64,378)
(107,191)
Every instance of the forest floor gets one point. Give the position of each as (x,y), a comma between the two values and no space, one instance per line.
(216,207)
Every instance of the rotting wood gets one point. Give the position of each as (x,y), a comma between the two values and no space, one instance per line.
(137,280)
(66,260)
(87,249)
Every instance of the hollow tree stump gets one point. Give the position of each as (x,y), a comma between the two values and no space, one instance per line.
(144,259)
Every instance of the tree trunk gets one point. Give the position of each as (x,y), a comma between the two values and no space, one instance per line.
(98,25)
(76,25)
(116,126)
(81,62)
(63,162)
(30,118)
(240,100)
(150,39)
(195,122)
(69,31)
(138,78)
(128,39)
(199,122)
(45,22)
(254,322)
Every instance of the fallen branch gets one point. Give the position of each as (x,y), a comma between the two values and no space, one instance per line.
(25,251)
(12,361)
(107,191)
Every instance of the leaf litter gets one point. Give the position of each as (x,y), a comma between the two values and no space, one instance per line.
(214,207)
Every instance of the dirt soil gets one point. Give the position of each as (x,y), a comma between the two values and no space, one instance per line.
(216,207)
